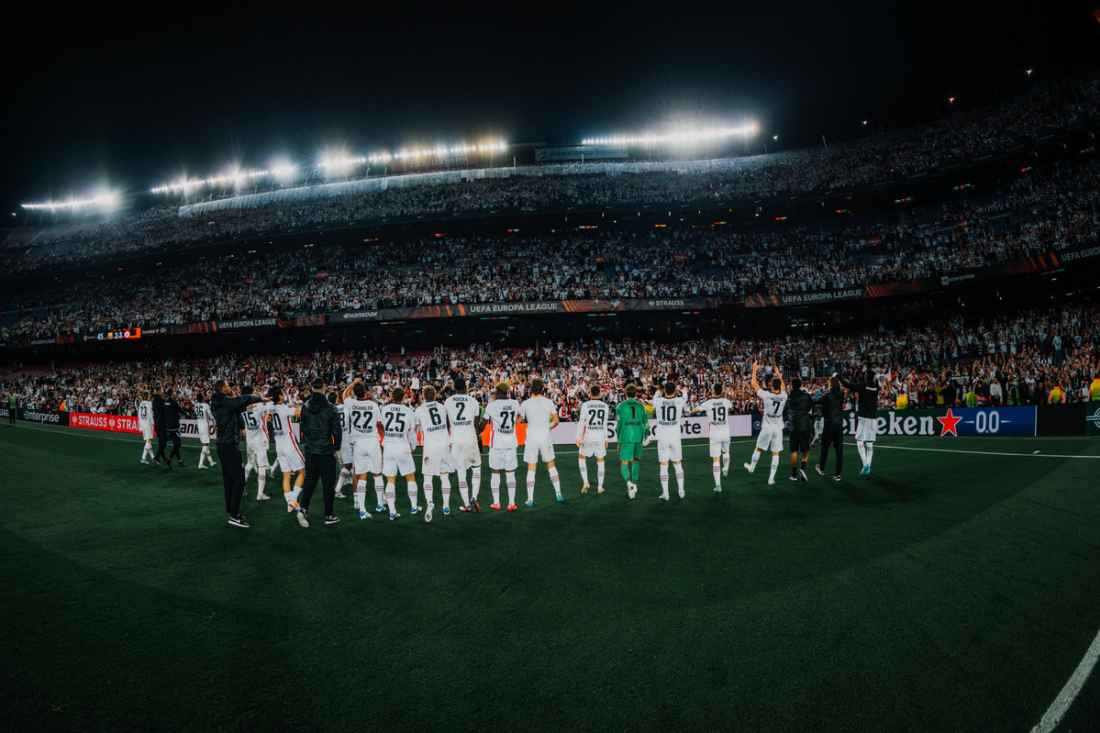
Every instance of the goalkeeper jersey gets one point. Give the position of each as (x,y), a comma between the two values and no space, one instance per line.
(632,422)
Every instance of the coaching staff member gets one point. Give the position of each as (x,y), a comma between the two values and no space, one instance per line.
(832,434)
(158,425)
(172,426)
(321,437)
(227,411)
(800,407)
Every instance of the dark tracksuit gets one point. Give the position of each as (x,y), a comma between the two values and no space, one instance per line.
(172,427)
(227,411)
(321,437)
(832,434)
(800,408)
(158,424)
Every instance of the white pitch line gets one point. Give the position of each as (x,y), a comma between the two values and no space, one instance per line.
(1058,709)
(982,452)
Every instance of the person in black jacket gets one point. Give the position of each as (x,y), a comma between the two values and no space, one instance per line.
(800,409)
(832,434)
(227,410)
(172,426)
(322,435)
(158,424)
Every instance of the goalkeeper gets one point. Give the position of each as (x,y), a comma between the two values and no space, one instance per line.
(632,428)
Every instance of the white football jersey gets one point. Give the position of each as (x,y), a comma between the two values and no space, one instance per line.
(145,412)
(461,411)
(502,414)
(253,419)
(537,412)
(669,412)
(202,415)
(594,416)
(280,423)
(773,407)
(718,410)
(398,425)
(431,418)
(361,419)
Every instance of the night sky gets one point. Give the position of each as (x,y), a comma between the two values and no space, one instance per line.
(133,100)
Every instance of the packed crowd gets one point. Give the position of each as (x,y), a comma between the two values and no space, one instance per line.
(1046,109)
(1030,357)
(1058,210)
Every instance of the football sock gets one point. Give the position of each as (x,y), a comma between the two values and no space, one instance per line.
(475,483)
(429,490)
(599,474)
(379,490)
(755,458)
(635,471)
(717,471)
(624,470)
(343,478)
(862,452)
(291,500)
(361,494)
(664,479)
(774,468)
(445,487)
(414,493)
(391,497)
(494,486)
(530,486)
(463,489)
(870,449)
(511,476)
(555,480)
(726,461)
(582,466)
(679,468)
(261,480)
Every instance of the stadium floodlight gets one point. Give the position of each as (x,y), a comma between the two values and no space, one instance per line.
(339,162)
(105,201)
(679,136)
(283,171)
(235,176)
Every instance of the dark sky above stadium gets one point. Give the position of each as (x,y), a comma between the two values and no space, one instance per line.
(120,96)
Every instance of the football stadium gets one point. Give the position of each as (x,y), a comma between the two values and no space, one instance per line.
(733,372)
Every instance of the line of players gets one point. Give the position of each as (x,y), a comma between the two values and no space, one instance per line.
(378,440)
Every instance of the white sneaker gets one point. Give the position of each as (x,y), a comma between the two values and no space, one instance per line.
(726,470)
(771,482)
(680,492)
(429,511)
(663,496)
(301,517)
(599,489)
(631,490)
(718,489)
(749,467)
(340,494)
(584,488)
(262,497)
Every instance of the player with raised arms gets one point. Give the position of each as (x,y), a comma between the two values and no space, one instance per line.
(203,419)
(361,414)
(502,414)
(254,418)
(669,408)
(718,410)
(541,415)
(399,434)
(463,412)
(592,437)
(291,461)
(771,428)
(631,432)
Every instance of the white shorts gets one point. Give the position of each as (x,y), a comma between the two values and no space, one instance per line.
(502,459)
(465,454)
(436,461)
(147,432)
(204,436)
(397,460)
(770,439)
(256,451)
(669,448)
(366,456)
(719,442)
(290,457)
(347,452)
(538,449)
(866,429)
(594,448)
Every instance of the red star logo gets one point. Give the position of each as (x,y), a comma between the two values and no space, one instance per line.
(949,424)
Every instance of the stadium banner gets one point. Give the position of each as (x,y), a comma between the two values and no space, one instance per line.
(106,423)
(189,430)
(465,310)
(43,417)
(1092,418)
(1064,420)
(953,421)
(564,153)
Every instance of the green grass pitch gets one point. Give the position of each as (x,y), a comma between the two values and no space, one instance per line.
(950,591)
